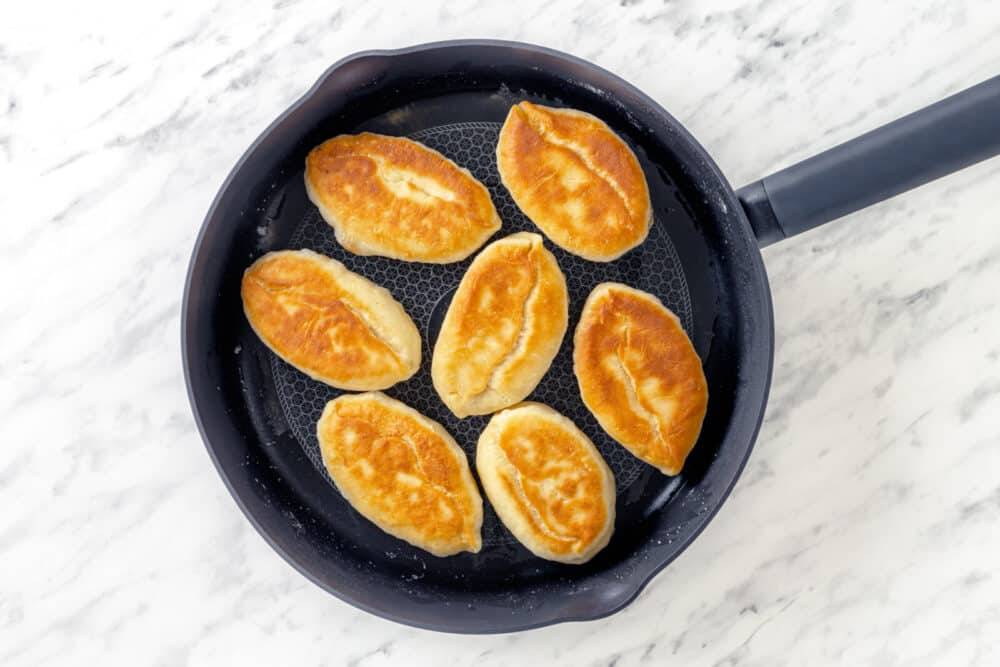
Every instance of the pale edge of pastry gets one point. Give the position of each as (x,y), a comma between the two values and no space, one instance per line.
(490,460)
(395,327)
(403,532)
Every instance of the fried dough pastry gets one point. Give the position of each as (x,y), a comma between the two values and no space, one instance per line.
(402,471)
(503,327)
(547,482)
(333,325)
(395,197)
(639,375)
(575,179)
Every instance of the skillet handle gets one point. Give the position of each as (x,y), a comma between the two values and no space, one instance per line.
(947,136)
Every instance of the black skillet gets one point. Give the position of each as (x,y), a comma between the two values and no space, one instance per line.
(702,258)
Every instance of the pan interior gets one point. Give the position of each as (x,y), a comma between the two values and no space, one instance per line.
(258,414)
(425,291)
(290,403)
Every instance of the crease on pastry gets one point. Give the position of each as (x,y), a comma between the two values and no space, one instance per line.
(520,341)
(395,435)
(386,172)
(577,151)
(536,516)
(394,350)
(424,476)
(452,213)
(632,388)
(391,174)
(373,330)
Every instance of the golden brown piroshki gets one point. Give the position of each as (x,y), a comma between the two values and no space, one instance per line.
(395,197)
(639,375)
(402,471)
(333,325)
(575,179)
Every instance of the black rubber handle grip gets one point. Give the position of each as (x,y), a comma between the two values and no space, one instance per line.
(954,133)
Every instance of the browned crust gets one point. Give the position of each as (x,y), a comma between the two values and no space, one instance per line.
(397,198)
(402,471)
(503,328)
(548,483)
(333,325)
(639,375)
(575,179)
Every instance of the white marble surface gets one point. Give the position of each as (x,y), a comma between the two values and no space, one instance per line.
(866,529)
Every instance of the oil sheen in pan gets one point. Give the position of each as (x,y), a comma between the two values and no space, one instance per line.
(425,291)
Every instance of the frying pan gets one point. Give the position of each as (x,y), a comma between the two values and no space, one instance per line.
(257,415)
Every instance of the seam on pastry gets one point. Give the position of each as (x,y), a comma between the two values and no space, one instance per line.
(381,162)
(455,505)
(632,391)
(532,510)
(423,473)
(396,353)
(468,534)
(313,323)
(413,184)
(573,148)
(520,341)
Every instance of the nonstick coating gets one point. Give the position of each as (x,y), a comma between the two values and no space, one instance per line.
(257,414)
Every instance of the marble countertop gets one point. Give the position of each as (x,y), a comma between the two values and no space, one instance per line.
(866,528)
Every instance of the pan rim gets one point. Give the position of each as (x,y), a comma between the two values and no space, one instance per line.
(645,574)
